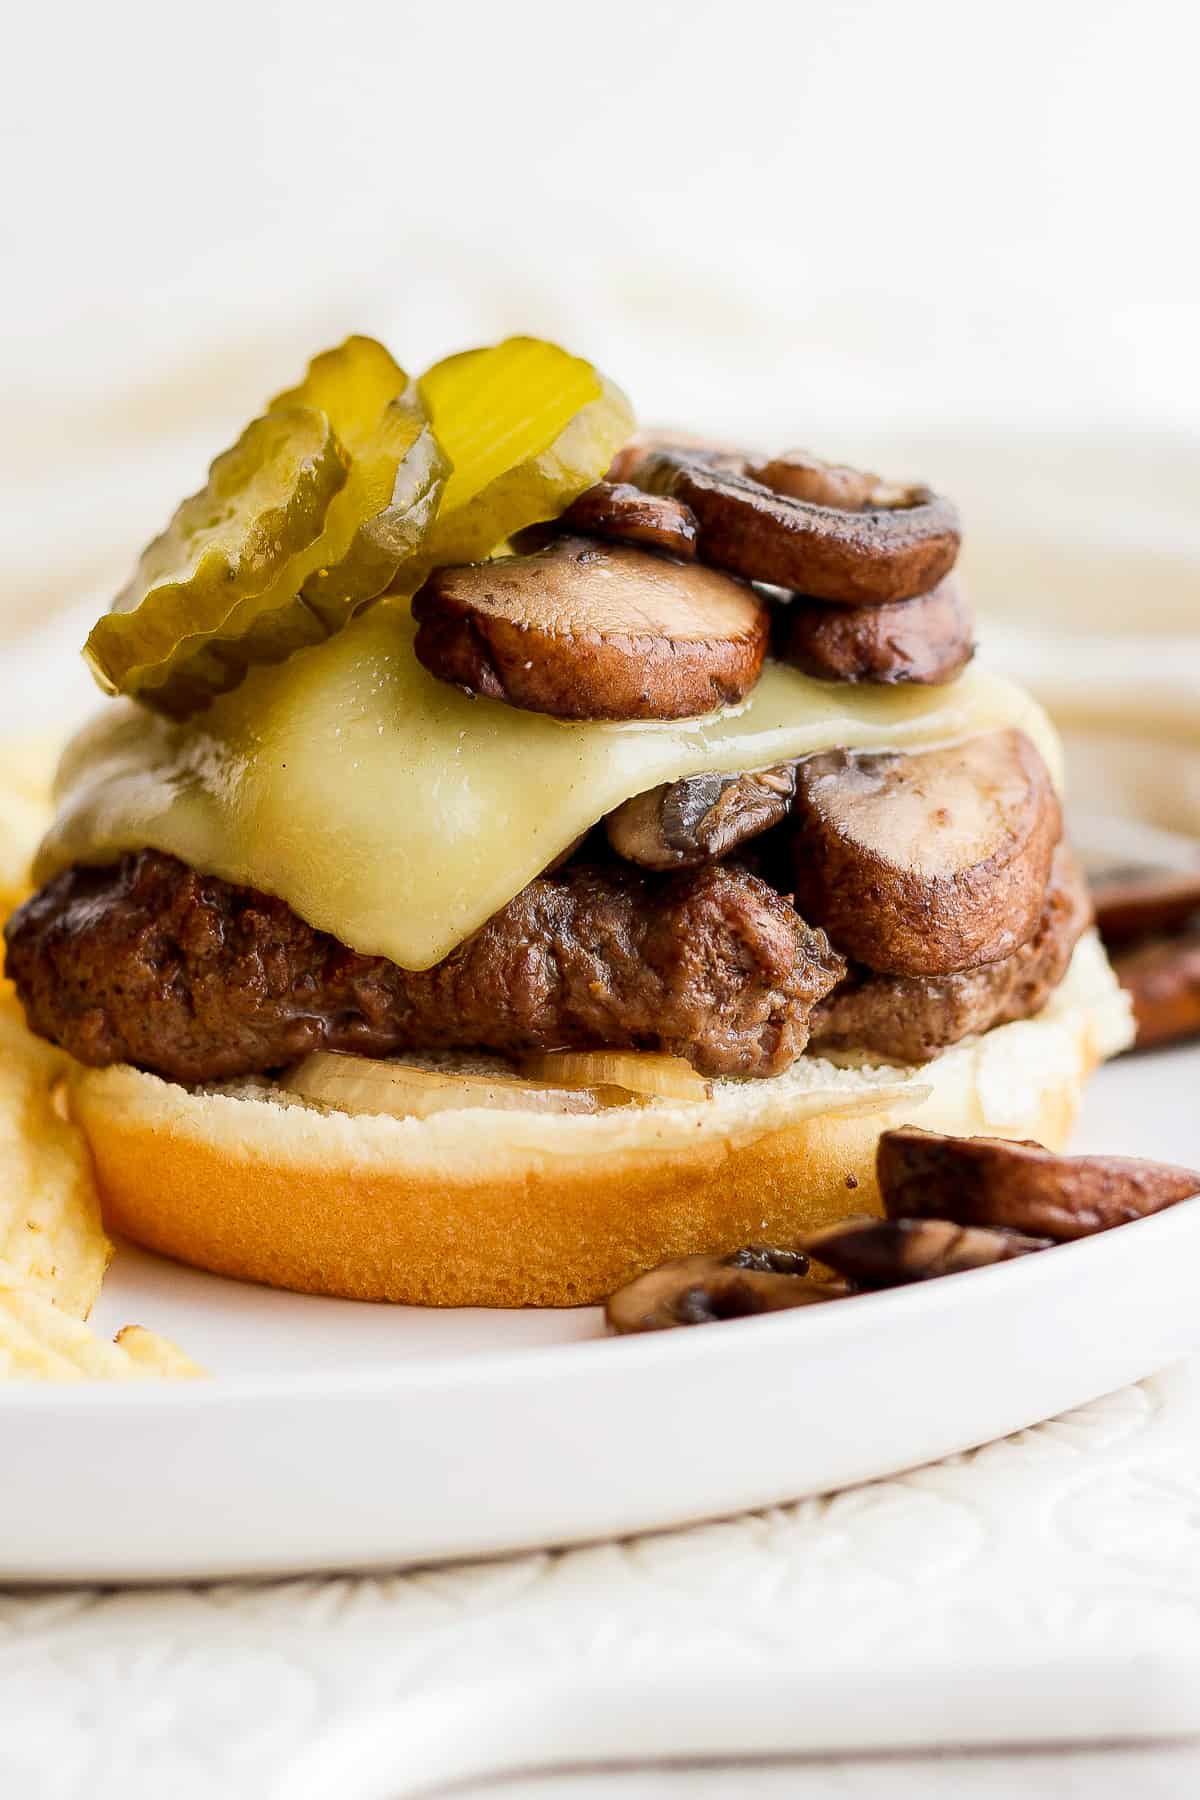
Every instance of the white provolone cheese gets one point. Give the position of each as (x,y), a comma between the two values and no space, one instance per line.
(397,813)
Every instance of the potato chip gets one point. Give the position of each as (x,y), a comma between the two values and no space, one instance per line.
(40,1342)
(26,776)
(156,1355)
(51,1236)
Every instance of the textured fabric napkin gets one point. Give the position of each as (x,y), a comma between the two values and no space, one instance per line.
(1045,1589)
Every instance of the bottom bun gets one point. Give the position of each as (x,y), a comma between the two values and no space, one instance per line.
(478,1208)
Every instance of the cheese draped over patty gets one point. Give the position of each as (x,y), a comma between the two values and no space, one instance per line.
(399,814)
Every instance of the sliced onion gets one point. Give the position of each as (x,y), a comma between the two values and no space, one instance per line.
(366,1084)
(646,1072)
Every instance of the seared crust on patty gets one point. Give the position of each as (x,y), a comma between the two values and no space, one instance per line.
(910,1018)
(147,962)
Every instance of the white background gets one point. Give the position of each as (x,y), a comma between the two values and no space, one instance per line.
(853,223)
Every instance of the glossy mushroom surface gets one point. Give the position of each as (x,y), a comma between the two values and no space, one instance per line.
(699,818)
(897,545)
(928,863)
(927,641)
(583,630)
(1021,1186)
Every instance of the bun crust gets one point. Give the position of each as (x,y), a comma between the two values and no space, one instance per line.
(478,1208)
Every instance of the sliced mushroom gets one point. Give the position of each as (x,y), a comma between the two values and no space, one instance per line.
(801,476)
(927,640)
(893,544)
(588,631)
(700,1290)
(1137,903)
(623,514)
(700,818)
(1162,978)
(1021,1186)
(679,443)
(877,1253)
(912,1018)
(924,864)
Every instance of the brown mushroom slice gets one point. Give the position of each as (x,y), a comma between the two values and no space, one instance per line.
(588,631)
(623,514)
(801,476)
(1137,903)
(927,641)
(896,545)
(679,443)
(879,1253)
(1162,978)
(924,864)
(701,1290)
(1021,1186)
(700,818)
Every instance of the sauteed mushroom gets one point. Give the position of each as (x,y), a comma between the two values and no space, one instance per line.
(1162,978)
(878,1253)
(924,864)
(589,631)
(1133,904)
(892,543)
(1021,1186)
(700,1290)
(927,640)
(623,514)
(680,443)
(700,818)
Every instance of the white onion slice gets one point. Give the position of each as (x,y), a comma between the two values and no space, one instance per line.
(366,1084)
(644,1072)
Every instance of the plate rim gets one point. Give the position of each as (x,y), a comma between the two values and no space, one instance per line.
(430,1369)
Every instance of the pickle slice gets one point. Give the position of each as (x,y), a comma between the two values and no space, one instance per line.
(527,428)
(265,500)
(398,474)
(392,474)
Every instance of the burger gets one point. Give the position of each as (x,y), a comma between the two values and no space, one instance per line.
(517,852)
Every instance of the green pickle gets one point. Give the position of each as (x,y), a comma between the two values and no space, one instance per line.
(527,428)
(265,501)
(174,644)
(398,473)
(351,485)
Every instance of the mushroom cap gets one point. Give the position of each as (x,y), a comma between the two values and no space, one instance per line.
(700,817)
(1161,975)
(1020,1186)
(862,556)
(928,640)
(892,1252)
(622,513)
(583,630)
(701,1290)
(927,863)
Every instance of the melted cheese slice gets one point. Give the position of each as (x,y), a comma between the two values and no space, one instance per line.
(397,813)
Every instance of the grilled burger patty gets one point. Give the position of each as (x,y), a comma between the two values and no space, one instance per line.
(150,963)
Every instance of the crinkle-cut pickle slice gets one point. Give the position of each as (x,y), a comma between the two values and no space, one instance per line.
(265,500)
(527,428)
(398,474)
(394,472)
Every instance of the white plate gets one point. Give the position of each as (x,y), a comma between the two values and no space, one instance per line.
(344,1435)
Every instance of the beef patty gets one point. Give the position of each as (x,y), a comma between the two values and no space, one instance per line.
(150,963)
(910,1018)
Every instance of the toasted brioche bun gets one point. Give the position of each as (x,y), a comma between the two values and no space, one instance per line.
(479,1208)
